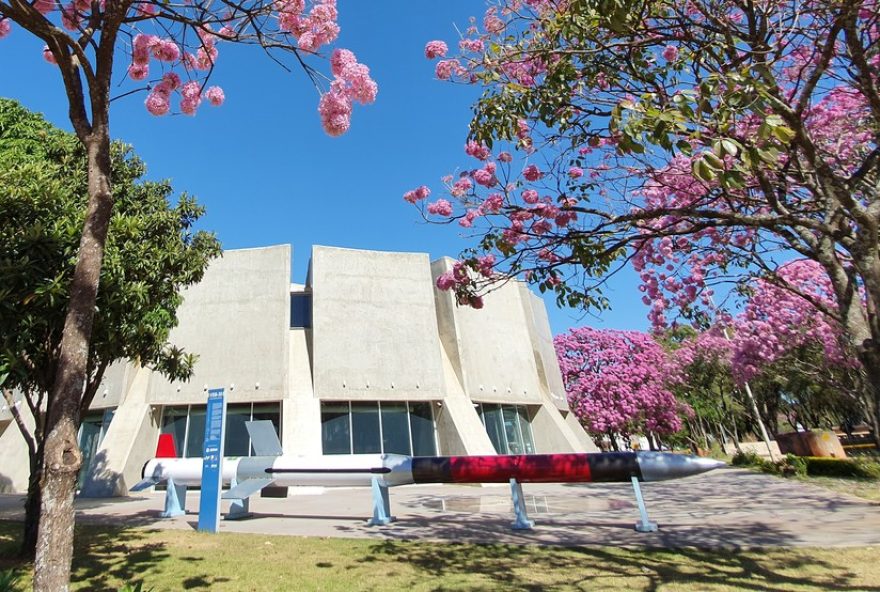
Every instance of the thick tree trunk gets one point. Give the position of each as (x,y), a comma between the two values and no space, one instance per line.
(62,458)
(871,361)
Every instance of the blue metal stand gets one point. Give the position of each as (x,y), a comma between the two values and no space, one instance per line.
(381,505)
(643,525)
(238,508)
(175,500)
(522,521)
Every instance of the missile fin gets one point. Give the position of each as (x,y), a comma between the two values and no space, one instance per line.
(145,483)
(247,488)
(263,438)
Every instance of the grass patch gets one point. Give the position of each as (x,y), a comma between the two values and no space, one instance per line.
(107,557)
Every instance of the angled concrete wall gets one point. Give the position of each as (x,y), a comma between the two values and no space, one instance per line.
(373,325)
(492,346)
(237,320)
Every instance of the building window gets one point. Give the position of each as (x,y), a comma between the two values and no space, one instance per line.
(365,427)
(187,424)
(301,310)
(509,427)
(92,430)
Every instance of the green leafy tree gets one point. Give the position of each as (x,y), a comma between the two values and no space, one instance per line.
(152,253)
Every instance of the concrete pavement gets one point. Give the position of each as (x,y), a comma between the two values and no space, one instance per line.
(729,508)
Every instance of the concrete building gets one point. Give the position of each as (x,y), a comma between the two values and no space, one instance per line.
(367,356)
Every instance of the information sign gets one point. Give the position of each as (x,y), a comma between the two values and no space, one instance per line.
(212,462)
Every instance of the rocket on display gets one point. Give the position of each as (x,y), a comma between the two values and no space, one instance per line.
(272,468)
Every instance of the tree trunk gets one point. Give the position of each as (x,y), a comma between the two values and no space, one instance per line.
(32,508)
(62,457)
(870,359)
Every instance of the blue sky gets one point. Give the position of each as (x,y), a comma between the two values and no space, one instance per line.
(267,172)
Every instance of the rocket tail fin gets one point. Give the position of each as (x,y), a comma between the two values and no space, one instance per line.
(247,488)
(145,483)
(264,439)
(166,447)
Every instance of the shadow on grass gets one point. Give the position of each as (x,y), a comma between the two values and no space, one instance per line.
(531,567)
(106,556)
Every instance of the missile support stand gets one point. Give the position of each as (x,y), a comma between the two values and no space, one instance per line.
(175,499)
(643,525)
(381,505)
(522,521)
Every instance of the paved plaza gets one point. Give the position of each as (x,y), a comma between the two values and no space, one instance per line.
(729,508)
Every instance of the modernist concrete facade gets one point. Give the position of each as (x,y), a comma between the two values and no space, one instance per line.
(367,356)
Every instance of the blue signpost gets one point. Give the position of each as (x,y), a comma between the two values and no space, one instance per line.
(212,462)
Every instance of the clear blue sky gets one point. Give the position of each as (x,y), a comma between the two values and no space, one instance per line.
(267,172)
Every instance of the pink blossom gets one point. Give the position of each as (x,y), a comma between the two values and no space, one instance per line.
(215,96)
(478,151)
(532,173)
(157,103)
(505,157)
(575,172)
(441,207)
(417,194)
(471,45)
(44,7)
(166,51)
(335,110)
(135,71)
(670,53)
(48,55)
(445,69)
(340,60)
(5,27)
(435,49)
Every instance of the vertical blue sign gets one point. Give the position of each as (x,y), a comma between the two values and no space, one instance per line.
(212,462)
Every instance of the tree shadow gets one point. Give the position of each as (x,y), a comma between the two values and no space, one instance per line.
(523,567)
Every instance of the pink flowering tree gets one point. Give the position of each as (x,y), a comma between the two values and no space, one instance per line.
(784,346)
(618,383)
(168,51)
(698,141)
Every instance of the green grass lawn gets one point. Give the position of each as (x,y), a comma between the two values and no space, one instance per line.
(106,557)
(868,489)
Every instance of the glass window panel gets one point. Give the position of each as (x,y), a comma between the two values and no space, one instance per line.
(365,428)
(89,436)
(495,427)
(421,422)
(395,428)
(335,428)
(511,429)
(237,440)
(174,423)
(270,412)
(195,437)
(301,310)
(525,425)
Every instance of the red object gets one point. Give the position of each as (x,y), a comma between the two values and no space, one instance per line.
(534,468)
(166,447)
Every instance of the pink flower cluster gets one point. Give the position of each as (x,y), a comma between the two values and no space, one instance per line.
(312,30)
(618,382)
(435,49)
(351,82)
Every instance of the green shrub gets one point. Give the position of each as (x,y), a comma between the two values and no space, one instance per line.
(8,581)
(820,466)
(746,459)
(792,465)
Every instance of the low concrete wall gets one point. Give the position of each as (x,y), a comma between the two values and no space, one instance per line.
(758,448)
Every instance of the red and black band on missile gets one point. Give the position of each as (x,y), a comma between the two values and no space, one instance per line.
(527,468)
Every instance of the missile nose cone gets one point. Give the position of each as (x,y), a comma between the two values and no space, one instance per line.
(660,466)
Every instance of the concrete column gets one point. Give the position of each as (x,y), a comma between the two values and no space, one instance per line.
(129,443)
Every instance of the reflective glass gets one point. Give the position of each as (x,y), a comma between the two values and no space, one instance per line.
(421,422)
(301,310)
(89,437)
(525,425)
(335,428)
(365,428)
(174,423)
(511,429)
(395,431)
(195,438)
(495,426)
(237,439)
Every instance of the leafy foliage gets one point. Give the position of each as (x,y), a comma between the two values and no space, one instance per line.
(152,252)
